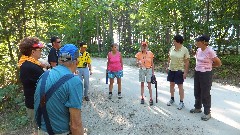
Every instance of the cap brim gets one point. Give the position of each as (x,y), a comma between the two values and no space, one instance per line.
(39,45)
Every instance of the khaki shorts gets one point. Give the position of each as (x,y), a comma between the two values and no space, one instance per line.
(145,73)
(30,113)
(41,132)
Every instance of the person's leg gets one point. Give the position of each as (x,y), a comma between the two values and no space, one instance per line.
(178,79)
(170,78)
(86,81)
(172,90)
(148,80)
(30,113)
(119,81)
(181,91)
(142,89)
(150,90)
(197,94)
(80,74)
(206,83)
(111,84)
(110,87)
(197,91)
(142,80)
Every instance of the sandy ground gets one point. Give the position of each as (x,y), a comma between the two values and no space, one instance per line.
(127,116)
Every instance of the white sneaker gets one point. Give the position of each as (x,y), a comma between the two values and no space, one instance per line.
(119,96)
(169,103)
(110,96)
(180,106)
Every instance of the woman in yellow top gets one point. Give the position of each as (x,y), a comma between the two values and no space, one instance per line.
(146,69)
(178,62)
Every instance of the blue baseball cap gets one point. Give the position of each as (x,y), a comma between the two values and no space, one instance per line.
(68,52)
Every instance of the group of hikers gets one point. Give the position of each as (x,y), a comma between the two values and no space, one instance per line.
(53,98)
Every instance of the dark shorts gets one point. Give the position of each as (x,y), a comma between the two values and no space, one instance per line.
(175,76)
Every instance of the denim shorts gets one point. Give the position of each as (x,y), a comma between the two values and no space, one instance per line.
(117,74)
(175,76)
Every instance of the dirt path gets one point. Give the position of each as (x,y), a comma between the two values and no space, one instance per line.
(127,116)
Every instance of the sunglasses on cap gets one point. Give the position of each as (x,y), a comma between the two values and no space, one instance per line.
(39,45)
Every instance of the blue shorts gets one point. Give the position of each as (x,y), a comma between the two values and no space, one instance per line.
(117,74)
(175,76)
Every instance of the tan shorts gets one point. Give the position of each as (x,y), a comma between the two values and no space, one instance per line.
(41,132)
(30,113)
(145,73)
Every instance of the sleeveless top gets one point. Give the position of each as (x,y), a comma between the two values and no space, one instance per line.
(114,62)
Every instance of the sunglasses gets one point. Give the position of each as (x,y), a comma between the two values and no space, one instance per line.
(59,41)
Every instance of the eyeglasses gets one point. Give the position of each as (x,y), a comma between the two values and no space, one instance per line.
(59,41)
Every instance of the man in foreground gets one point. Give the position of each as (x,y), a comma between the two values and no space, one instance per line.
(58,109)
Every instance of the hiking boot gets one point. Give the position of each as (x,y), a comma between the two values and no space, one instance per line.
(180,106)
(110,96)
(142,101)
(194,110)
(119,96)
(151,102)
(206,117)
(86,98)
(170,102)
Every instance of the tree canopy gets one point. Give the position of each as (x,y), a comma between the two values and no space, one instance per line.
(126,22)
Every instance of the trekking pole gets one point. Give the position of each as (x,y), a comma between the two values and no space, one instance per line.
(106,77)
(156,92)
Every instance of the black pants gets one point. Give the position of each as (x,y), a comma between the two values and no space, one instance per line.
(202,87)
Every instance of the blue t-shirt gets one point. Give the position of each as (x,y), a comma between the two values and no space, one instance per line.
(69,95)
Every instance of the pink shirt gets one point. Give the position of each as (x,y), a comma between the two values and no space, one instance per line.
(204,59)
(114,62)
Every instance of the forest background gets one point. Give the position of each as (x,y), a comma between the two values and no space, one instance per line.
(102,22)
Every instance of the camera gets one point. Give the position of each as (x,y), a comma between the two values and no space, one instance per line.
(85,64)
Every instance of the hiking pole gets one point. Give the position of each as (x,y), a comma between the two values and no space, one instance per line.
(156,92)
(106,77)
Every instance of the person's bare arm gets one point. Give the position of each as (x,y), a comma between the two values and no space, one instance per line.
(76,121)
(152,67)
(90,68)
(186,66)
(216,62)
(168,62)
(121,61)
(53,64)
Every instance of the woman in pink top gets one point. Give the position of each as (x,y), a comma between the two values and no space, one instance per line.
(114,69)
(206,58)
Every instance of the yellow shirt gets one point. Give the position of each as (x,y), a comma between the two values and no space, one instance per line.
(84,58)
(145,58)
(177,58)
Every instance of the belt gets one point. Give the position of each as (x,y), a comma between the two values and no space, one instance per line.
(81,67)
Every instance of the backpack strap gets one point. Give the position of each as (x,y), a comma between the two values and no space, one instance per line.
(44,97)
